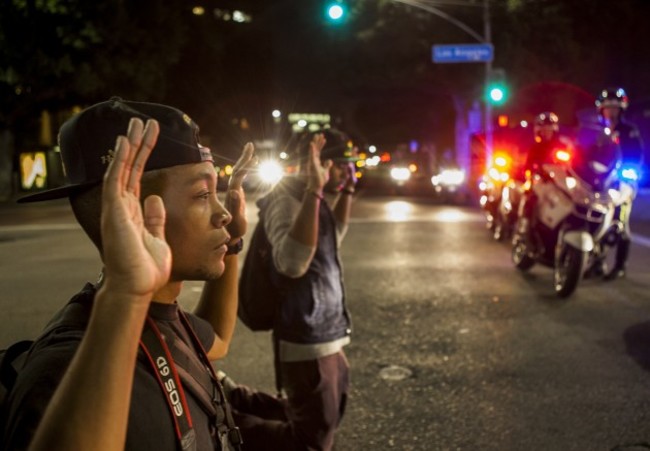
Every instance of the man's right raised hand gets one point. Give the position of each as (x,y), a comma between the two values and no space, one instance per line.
(317,172)
(137,259)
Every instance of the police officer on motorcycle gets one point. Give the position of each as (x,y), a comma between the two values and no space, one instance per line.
(611,104)
(547,140)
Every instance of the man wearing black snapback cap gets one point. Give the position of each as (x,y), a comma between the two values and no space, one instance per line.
(121,366)
(305,218)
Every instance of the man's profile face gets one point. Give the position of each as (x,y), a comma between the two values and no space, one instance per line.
(338,176)
(196,220)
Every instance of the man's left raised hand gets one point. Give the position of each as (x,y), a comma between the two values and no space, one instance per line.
(235,198)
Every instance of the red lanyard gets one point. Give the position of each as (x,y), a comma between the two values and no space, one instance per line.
(161,360)
(231,432)
(152,342)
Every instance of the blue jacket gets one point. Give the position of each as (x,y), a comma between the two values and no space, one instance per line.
(313,306)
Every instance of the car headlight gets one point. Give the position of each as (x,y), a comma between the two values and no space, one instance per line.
(400,174)
(449,177)
(452,177)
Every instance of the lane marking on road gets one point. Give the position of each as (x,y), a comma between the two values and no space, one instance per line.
(449,216)
(408,220)
(38,227)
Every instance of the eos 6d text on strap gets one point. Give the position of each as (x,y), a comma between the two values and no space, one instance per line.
(157,352)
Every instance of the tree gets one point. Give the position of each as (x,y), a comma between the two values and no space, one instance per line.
(57,53)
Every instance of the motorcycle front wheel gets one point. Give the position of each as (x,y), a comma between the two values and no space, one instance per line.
(520,256)
(498,227)
(568,270)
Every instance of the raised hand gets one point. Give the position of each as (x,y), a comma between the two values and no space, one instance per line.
(235,198)
(350,176)
(317,173)
(137,259)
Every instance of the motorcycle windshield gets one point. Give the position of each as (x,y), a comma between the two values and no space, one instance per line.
(597,157)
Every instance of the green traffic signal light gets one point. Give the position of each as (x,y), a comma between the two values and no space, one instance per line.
(497,88)
(497,94)
(335,11)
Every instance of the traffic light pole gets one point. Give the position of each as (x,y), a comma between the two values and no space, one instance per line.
(485,39)
(487,30)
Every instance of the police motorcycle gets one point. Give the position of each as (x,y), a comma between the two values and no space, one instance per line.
(628,175)
(495,183)
(508,209)
(573,220)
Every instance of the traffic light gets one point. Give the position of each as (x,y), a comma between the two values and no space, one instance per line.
(497,94)
(335,11)
(497,89)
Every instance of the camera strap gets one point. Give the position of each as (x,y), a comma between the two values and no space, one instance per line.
(157,352)
(210,390)
(194,369)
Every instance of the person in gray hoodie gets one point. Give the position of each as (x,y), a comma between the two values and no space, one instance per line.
(305,218)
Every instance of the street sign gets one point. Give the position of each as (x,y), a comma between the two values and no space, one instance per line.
(463,53)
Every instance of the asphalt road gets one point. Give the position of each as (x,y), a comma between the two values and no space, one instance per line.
(452,349)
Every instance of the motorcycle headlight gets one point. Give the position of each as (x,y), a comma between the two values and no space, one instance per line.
(614,194)
(571,182)
(494,173)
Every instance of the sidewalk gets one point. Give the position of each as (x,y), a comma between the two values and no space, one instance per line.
(54,211)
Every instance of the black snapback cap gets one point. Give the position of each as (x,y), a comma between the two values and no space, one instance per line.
(338,146)
(87,142)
